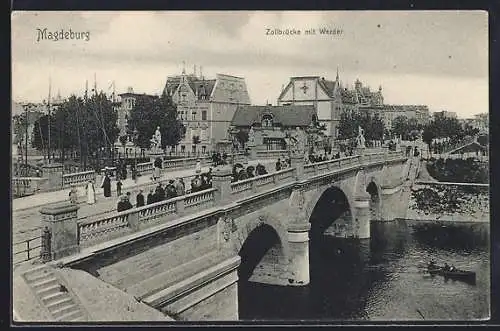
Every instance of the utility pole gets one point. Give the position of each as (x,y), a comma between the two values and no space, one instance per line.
(26,136)
(48,109)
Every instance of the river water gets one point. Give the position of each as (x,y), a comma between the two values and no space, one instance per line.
(378,279)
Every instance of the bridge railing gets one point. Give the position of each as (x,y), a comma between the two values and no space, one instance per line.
(91,232)
(147,167)
(78,178)
(26,250)
(262,183)
(271,154)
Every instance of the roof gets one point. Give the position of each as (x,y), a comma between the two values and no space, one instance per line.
(127,94)
(328,86)
(199,86)
(406,108)
(290,115)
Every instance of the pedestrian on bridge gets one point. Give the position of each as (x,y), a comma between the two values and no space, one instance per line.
(106,185)
(119,187)
(90,193)
(151,197)
(139,199)
(73,198)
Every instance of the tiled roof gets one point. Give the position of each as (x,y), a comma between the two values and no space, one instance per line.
(328,86)
(291,115)
(196,84)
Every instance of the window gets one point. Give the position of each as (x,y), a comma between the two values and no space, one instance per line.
(267,120)
(193,148)
(183,148)
(194,116)
(203,134)
(204,149)
(203,115)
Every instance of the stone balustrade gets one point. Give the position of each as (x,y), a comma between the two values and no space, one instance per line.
(145,168)
(271,154)
(94,231)
(78,178)
(246,187)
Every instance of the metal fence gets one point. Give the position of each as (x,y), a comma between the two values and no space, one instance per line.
(26,250)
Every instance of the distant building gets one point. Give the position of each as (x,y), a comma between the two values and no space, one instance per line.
(271,124)
(479,121)
(205,107)
(418,112)
(331,99)
(124,105)
(444,113)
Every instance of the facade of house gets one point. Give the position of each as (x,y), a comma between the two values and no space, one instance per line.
(330,99)
(205,107)
(124,105)
(418,112)
(272,124)
(445,113)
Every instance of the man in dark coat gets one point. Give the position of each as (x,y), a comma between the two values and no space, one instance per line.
(139,199)
(151,197)
(160,193)
(119,187)
(106,185)
(278,165)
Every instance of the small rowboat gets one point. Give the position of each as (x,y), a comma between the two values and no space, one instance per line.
(467,276)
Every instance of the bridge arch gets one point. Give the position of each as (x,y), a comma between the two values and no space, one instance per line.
(375,191)
(331,212)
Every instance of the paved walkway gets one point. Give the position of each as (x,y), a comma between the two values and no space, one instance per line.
(26,222)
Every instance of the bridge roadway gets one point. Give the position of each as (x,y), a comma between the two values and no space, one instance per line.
(26,210)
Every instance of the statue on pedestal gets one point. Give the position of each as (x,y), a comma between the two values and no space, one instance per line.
(297,142)
(251,137)
(156,140)
(361,137)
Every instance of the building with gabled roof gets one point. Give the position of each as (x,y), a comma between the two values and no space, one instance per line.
(272,124)
(205,107)
(329,98)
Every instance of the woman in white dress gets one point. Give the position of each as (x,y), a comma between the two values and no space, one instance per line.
(90,193)
(198,167)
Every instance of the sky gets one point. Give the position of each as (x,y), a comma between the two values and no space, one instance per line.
(435,58)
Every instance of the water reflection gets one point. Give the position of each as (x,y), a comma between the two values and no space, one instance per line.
(379,278)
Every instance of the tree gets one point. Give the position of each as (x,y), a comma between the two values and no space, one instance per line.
(149,113)
(400,126)
(242,137)
(372,125)
(428,135)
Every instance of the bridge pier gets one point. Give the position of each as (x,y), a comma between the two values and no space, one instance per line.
(298,240)
(390,201)
(362,216)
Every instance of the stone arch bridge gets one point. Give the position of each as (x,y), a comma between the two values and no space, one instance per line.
(184,256)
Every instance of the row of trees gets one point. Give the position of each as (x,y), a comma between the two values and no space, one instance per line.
(149,113)
(88,126)
(350,122)
(446,127)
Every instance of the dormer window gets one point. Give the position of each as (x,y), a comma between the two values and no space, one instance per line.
(267,120)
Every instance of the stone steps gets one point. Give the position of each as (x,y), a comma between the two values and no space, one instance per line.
(165,279)
(48,287)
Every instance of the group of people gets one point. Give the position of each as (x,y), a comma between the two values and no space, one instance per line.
(201,181)
(283,163)
(219,159)
(432,266)
(242,173)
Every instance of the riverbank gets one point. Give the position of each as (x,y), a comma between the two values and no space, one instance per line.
(444,203)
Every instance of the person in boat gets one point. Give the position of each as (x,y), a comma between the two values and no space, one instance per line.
(446,267)
(431,265)
(452,268)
